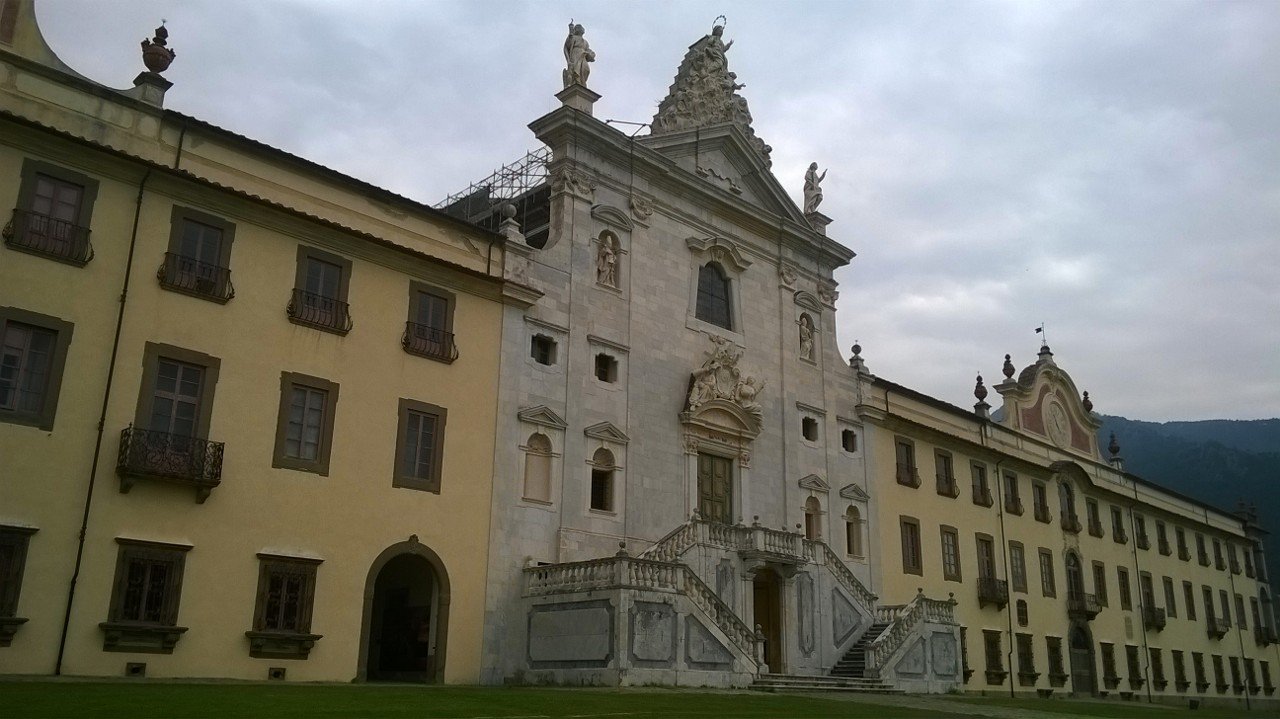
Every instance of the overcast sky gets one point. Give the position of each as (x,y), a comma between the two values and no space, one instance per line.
(1111,169)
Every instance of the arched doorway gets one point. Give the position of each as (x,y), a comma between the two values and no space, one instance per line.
(406,616)
(767,615)
(1082,674)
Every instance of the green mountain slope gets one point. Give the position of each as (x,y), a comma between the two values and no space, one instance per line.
(1220,462)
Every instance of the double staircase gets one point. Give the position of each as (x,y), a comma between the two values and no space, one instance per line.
(854,662)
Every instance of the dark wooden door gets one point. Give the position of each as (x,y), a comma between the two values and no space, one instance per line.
(715,488)
(1082,682)
(768,617)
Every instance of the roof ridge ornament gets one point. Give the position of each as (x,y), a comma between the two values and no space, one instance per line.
(705,93)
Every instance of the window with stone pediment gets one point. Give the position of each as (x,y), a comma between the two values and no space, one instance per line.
(853,532)
(812,519)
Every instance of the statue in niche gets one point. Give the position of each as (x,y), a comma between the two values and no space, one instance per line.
(813,188)
(806,337)
(607,262)
(577,55)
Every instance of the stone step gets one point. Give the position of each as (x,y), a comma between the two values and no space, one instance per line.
(775,682)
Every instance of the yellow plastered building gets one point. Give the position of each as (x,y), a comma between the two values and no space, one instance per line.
(246,403)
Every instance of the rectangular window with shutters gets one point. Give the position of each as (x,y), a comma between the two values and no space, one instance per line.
(1126,596)
(905,467)
(1189,600)
(282,612)
(910,531)
(13,556)
(981,489)
(143,613)
(1133,662)
(1018,567)
(304,428)
(198,260)
(429,328)
(172,421)
(33,353)
(1027,673)
(1047,585)
(1100,582)
(950,554)
(1170,597)
(53,213)
(320,291)
(420,446)
(994,656)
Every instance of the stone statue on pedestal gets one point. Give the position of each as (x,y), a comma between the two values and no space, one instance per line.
(813,188)
(577,55)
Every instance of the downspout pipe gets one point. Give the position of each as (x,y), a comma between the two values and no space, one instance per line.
(1142,600)
(102,423)
(1004,554)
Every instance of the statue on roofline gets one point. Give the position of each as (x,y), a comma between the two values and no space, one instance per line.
(813,188)
(577,55)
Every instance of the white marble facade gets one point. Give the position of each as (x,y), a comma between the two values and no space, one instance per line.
(618,337)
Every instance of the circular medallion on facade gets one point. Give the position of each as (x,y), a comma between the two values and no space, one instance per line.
(1057,424)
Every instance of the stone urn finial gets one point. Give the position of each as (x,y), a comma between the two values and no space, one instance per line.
(1088,403)
(156,54)
(980,391)
(1008,367)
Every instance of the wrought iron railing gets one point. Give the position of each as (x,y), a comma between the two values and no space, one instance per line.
(1263,635)
(1042,513)
(1082,603)
(908,475)
(992,591)
(947,486)
(1153,618)
(193,277)
(1184,554)
(982,496)
(1143,542)
(428,341)
(44,235)
(1013,505)
(1071,522)
(1095,528)
(316,310)
(1218,627)
(151,454)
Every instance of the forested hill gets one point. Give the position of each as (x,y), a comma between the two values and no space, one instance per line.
(1216,461)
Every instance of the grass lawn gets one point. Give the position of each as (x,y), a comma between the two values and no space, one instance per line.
(35,699)
(1139,710)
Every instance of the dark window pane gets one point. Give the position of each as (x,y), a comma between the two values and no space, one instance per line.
(713,296)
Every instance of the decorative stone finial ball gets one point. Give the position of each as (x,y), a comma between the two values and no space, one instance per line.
(1008,367)
(508,211)
(1088,403)
(857,349)
(979,391)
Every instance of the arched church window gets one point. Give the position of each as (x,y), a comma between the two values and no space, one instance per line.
(713,296)
(853,532)
(537,468)
(602,471)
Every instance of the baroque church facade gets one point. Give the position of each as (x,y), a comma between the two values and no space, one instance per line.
(584,422)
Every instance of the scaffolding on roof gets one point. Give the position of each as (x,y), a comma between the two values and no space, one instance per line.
(507,183)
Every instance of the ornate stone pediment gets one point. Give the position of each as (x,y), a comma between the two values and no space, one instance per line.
(611,215)
(543,415)
(607,432)
(808,301)
(1044,401)
(854,492)
(720,250)
(814,483)
(722,399)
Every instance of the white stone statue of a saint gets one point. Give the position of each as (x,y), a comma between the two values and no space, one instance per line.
(577,55)
(813,188)
(606,263)
(806,337)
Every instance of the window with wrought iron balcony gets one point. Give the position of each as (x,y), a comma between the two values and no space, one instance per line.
(169,441)
(1143,542)
(320,294)
(53,237)
(1071,522)
(992,591)
(1264,635)
(153,454)
(1218,627)
(1153,618)
(1083,604)
(429,330)
(905,468)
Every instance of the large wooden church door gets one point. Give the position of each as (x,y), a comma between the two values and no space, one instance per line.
(715,488)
